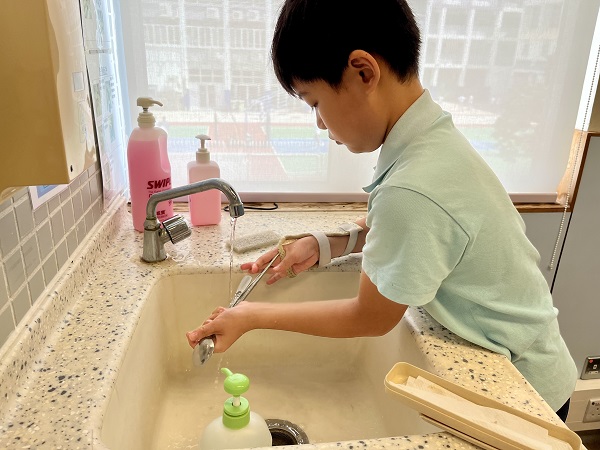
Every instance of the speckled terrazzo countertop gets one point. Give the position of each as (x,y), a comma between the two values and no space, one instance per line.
(57,373)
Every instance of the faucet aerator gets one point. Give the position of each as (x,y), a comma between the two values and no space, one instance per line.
(236,211)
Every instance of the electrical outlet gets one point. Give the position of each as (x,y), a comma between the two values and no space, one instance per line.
(591,368)
(592,413)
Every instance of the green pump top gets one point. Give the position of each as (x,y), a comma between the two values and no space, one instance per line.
(236,410)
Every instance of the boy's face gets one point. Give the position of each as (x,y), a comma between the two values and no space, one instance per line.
(348,113)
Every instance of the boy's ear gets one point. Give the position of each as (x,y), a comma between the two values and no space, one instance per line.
(365,66)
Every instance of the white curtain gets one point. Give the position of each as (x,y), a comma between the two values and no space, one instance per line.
(510,71)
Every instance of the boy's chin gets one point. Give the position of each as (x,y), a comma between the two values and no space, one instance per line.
(355,149)
(358,150)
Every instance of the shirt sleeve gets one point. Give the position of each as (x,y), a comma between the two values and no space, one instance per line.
(412,246)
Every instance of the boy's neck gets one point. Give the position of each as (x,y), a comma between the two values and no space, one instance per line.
(399,96)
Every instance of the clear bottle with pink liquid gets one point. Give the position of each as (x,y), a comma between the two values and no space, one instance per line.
(148,164)
(205,207)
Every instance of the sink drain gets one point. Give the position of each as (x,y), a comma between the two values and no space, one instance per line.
(286,433)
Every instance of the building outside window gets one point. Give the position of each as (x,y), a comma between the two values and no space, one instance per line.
(509,71)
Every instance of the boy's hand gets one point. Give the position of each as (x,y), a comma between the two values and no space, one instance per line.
(299,256)
(226,324)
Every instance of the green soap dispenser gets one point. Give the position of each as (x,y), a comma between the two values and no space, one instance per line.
(238,427)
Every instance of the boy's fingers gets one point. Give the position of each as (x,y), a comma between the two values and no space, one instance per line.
(266,258)
(276,277)
(260,263)
(191,338)
(198,334)
(282,268)
(301,267)
(284,264)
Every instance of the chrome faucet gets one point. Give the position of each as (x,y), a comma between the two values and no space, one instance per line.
(176,229)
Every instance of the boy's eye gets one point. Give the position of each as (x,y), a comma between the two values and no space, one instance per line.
(314,107)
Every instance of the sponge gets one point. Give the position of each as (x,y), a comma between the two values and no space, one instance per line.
(254,241)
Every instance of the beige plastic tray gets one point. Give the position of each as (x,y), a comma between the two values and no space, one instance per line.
(460,426)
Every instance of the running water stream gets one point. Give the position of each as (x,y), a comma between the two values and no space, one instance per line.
(218,376)
(231,240)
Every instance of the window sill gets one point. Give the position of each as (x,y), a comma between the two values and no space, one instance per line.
(359,207)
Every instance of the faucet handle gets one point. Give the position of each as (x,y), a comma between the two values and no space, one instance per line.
(177,229)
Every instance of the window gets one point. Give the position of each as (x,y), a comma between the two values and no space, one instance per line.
(253,15)
(510,71)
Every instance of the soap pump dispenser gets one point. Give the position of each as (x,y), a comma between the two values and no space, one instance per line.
(238,427)
(205,207)
(148,165)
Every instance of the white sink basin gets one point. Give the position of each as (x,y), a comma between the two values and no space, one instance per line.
(332,388)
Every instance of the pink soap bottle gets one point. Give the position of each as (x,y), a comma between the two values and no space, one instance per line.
(148,164)
(205,207)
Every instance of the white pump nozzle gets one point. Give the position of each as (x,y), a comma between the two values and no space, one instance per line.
(147,102)
(202,154)
(203,138)
(146,118)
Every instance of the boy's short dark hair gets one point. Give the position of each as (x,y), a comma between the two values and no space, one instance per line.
(314,38)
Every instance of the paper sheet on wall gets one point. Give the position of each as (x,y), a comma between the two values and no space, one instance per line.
(102,63)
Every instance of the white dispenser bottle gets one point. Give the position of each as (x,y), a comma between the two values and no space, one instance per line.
(238,427)
(205,207)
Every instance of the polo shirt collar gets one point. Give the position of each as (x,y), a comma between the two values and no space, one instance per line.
(419,116)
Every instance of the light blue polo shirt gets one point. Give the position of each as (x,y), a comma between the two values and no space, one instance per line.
(444,235)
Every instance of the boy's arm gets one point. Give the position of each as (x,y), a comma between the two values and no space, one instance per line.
(338,243)
(367,314)
(303,254)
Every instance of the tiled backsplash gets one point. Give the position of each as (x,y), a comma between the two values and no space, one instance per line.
(35,245)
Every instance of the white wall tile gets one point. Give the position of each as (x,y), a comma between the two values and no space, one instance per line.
(21,304)
(77,205)
(50,268)
(81,231)
(24,218)
(86,197)
(72,241)
(5,205)
(65,195)
(3,289)
(15,272)
(53,204)
(95,186)
(62,253)
(31,254)
(7,324)
(68,216)
(9,238)
(20,194)
(40,214)
(35,245)
(36,285)
(89,220)
(58,228)
(45,242)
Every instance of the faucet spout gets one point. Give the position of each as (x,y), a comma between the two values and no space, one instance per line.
(176,229)
(236,207)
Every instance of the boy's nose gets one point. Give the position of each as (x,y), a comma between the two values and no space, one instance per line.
(320,123)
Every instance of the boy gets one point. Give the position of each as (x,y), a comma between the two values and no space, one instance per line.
(441,232)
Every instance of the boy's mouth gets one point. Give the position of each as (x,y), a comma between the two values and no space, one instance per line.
(335,140)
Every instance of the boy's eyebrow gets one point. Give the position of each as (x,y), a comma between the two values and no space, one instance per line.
(301,94)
